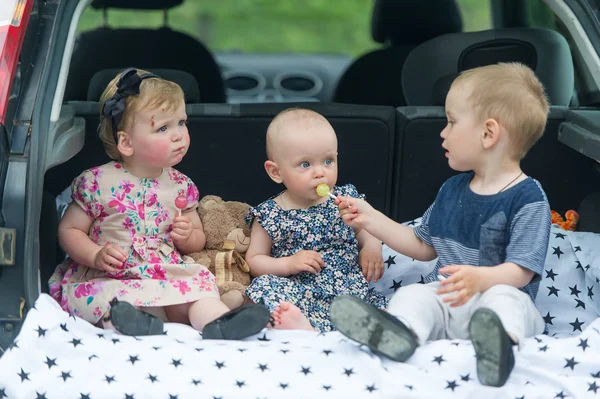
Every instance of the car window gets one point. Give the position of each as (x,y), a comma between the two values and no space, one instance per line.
(476,15)
(259,26)
(540,15)
(595,6)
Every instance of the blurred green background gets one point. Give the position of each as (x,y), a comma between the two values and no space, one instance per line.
(275,26)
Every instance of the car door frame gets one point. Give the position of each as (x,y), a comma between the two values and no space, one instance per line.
(15,167)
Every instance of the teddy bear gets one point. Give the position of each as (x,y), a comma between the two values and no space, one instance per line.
(227,239)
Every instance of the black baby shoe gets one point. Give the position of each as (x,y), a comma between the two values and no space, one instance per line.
(128,320)
(493,348)
(380,331)
(238,323)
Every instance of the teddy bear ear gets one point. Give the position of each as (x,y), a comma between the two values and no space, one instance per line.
(209,204)
(238,210)
(209,201)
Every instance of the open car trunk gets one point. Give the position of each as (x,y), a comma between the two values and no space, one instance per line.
(393,155)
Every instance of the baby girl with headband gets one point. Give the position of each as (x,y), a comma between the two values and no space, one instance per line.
(125,237)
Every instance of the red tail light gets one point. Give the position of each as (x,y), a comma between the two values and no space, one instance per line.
(14,17)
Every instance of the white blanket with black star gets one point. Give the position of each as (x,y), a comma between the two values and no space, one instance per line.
(58,356)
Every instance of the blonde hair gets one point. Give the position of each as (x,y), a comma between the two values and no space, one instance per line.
(308,118)
(154,92)
(511,94)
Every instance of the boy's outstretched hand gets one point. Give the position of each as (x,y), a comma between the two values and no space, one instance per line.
(464,282)
(355,212)
(371,263)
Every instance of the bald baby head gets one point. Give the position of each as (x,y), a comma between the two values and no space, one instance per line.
(293,124)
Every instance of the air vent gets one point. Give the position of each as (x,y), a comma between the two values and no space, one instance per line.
(244,83)
(241,83)
(298,83)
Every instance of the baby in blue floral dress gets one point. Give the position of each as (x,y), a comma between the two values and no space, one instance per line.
(300,250)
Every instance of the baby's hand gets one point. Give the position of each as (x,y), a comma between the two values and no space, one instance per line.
(355,212)
(305,261)
(182,229)
(465,281)
(108,257)
(371,263)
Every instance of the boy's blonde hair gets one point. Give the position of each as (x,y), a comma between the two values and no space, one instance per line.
(511,94)
(154,92)
(305,116)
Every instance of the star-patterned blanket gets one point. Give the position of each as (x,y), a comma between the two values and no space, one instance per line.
(58,356)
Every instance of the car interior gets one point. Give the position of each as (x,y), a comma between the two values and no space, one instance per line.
(386,106)
(379,71)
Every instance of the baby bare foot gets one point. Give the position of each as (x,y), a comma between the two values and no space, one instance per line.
(275,318)
(290,317)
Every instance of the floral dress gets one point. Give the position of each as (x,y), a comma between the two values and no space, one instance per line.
(135,214)
(319,228)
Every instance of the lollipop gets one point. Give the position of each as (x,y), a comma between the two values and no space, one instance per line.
(181,202)
(323,190)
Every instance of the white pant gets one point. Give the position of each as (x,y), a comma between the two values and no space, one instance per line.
(430,318)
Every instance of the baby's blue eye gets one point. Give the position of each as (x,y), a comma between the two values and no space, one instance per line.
(328,161)
(163,128)
(182,122)
(304,164)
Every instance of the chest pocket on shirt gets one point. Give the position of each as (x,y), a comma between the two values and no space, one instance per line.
(492,240)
